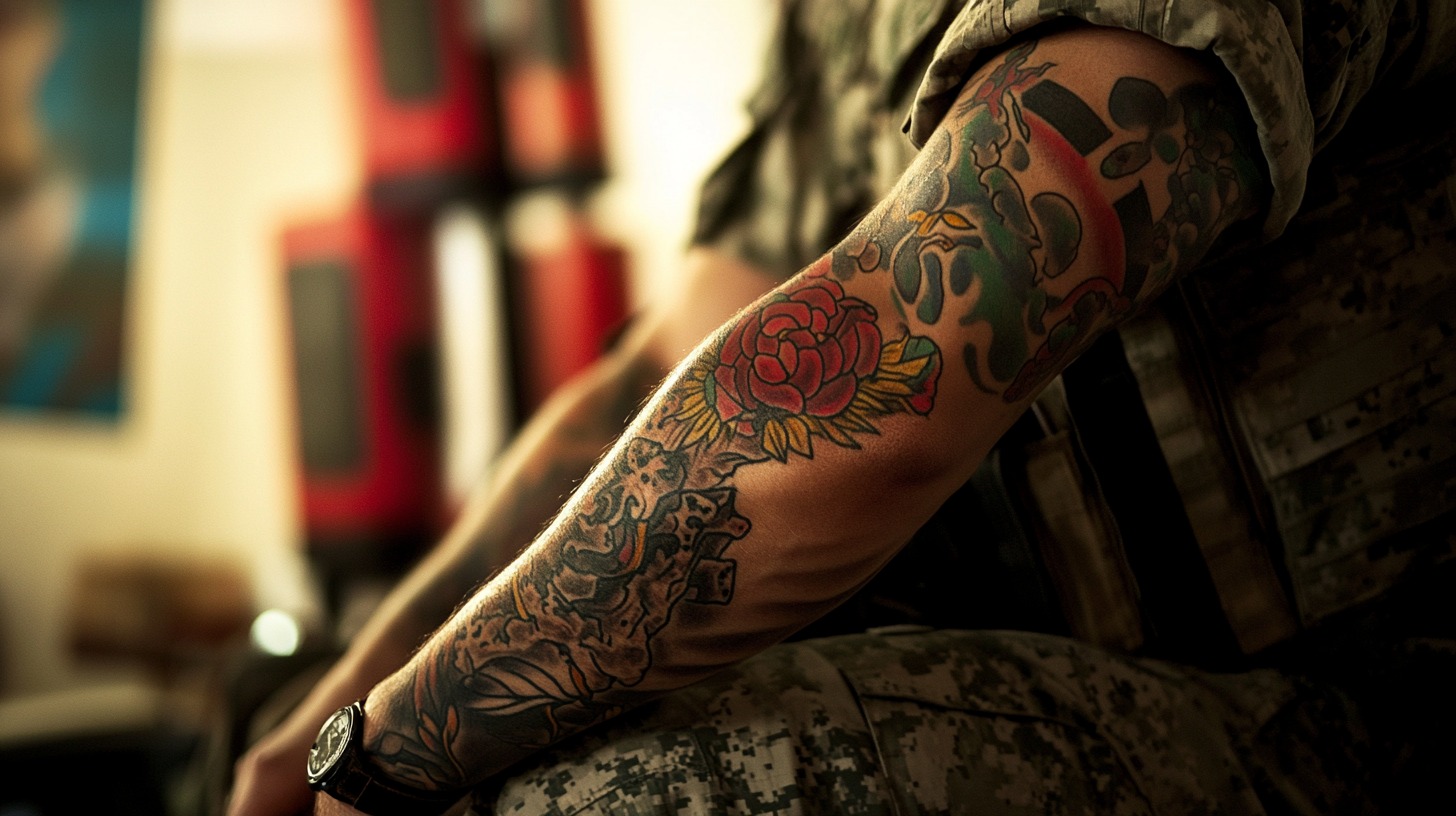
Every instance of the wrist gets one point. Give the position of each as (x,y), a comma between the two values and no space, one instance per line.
(339,765)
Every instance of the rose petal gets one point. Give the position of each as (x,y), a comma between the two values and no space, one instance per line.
(723,376)
(765,344)
(869,349)
(810,372)
(801,338)
(856,310)
(819,323)
(833,397)
(785,316)
(833,359)
(769,369)
(782,396)
(835,320)
(733,344)
(741,378)
(747,337)
(848,340)
(789,357)
(820,294)
(785,305)
(729,403)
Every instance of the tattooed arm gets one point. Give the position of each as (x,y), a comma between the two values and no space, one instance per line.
(788,457)
(540,468)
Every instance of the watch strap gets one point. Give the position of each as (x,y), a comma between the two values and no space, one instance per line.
(357,783)
(364,789)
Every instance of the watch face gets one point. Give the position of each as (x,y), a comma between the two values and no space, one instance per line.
(329,745)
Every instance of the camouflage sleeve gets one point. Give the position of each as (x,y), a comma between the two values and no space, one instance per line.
(1301,64)
(823,146)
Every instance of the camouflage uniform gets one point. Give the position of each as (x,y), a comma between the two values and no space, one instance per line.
(1299,395)
(949,721)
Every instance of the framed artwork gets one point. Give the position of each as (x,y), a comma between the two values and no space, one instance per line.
(70,76)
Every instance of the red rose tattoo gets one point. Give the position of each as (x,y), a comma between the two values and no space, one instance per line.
(804,353)
(810,363)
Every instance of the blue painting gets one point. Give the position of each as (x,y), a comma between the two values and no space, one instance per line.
(68,167)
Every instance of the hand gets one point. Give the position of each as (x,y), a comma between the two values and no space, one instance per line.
(270,778)
(325,805)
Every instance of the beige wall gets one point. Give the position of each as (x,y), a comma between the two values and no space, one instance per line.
(246,123)
(241,124)
(674,78)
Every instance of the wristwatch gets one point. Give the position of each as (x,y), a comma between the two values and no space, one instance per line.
(337,766)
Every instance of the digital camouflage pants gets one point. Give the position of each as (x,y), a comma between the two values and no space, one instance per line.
(902,722)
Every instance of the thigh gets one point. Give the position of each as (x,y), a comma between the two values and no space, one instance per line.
(1020,723)
(947,721)
(779,733)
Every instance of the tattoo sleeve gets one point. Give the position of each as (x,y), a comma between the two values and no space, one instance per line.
(1045,209)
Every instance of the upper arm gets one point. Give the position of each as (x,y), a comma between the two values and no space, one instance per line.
(1076,176)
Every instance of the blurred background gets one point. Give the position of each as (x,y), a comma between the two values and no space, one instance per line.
(277,279)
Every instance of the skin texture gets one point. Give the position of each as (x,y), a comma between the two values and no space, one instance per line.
(1052,204)
(787,457)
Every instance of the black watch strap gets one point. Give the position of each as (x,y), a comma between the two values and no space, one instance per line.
(366,791)
(353,781)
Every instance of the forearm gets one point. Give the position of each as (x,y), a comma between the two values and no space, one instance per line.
(548,459)
(545,461)
(543,464)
